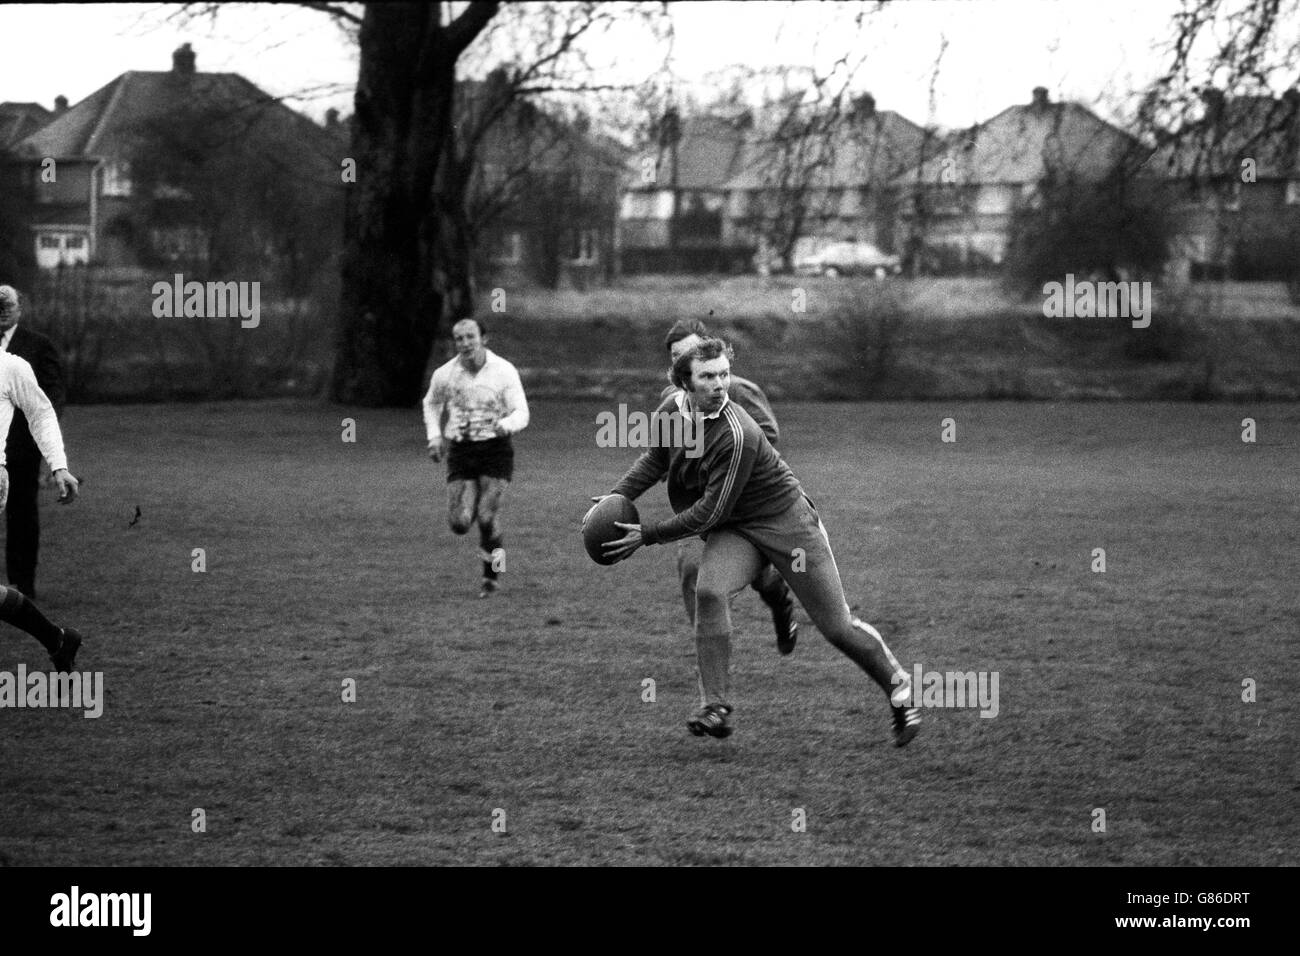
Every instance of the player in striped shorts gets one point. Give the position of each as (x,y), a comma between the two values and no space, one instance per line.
(474,404)
(750,507)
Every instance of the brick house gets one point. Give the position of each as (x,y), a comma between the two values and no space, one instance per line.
(956,207)
(543,200)
(1232,183)
(843,180)
(675,198)
(92,211)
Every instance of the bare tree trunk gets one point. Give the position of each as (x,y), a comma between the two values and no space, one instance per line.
(405,257)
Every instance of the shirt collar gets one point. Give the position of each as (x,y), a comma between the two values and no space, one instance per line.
(9,334)
(488,358)
(682,406)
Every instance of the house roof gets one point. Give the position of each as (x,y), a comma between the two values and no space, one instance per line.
(1262,128)
(710,151)
(531,133)
(1017,145)
(110,122)
(18,120)
(861,151)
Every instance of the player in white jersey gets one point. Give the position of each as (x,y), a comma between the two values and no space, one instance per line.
(18,389)
(474,404)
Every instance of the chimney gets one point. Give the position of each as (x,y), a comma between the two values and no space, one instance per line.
(331,118)
(60,105)
(1040,98)
(183,60)
(864,106)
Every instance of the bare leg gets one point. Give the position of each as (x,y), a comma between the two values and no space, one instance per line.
(488,514)
(461,496)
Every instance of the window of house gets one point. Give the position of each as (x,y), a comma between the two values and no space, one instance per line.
(54,249)
(834,202)
(1293,193)
(116,179)
(180,243)
(1232,196)
(584,245)
(647,204)
(165,191)
(508,248)
(950,200)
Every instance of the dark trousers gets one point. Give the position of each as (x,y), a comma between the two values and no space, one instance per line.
(22,523)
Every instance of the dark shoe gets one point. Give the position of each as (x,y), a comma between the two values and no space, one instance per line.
(490,588)
(711,719)
(907,721)
(65,658)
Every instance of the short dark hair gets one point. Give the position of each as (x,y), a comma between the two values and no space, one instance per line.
(683,328)
(709,348)
(482,329)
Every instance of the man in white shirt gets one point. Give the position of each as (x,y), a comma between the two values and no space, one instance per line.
(18,389)
(22,457)
(474,404)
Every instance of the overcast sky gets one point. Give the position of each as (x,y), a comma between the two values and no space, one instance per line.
(1093,51)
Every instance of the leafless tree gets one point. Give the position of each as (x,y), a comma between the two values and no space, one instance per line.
(1216,104)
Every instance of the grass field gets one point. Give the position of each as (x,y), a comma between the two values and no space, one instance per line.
(328,560)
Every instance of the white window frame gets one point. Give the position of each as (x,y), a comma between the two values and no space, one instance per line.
(588,246)
(115,179)
(54,248)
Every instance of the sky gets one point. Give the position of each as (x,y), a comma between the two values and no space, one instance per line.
(1092,51)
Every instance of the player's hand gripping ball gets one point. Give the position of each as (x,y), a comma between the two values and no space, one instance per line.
(598,526)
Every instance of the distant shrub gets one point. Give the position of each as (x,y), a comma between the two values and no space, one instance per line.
(860,342)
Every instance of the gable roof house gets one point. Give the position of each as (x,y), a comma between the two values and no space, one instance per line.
(128,192)
(824,185)
(1232,185)
(19,120)
(958,204)
(671,217)
(544,191)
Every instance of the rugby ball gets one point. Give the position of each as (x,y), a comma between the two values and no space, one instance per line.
(598,525)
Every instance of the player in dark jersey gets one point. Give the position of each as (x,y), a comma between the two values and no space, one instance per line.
(681,338)
(744,499)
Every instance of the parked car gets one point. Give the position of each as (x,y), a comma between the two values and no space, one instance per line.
(849,258)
